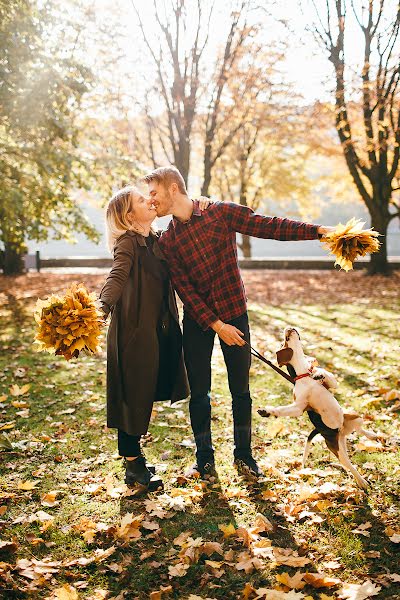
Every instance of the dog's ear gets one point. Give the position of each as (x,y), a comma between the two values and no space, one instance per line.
(284,355)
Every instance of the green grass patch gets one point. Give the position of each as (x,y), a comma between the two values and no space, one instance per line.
(60,443)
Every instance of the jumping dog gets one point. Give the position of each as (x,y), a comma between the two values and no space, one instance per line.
(312,393)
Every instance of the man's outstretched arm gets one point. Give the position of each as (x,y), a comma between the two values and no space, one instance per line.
(244,220)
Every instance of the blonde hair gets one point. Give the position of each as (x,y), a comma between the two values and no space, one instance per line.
(166,176)
(117,222)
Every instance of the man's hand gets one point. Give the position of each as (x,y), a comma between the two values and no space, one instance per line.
(323,229)
(231,335)
(204,202)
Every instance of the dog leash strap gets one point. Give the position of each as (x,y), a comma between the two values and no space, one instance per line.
(258,355)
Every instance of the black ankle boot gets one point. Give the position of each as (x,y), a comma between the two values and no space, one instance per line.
(136,472)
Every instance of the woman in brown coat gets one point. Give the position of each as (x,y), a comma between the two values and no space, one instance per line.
(144,341)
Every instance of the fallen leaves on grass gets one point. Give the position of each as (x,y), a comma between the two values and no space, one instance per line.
(271,594)
(15,390)
(362,529)
(27,486)
(162,592)
(7,546)
(320,580)
(37,569)
(289,557)
(227,530)
(49,499)
(178,570)
(355,591)
(66,592)
(129,527)
(370,446)
(248,563)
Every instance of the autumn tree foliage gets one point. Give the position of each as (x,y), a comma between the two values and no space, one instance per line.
(270,159)
(42,88)
(204,103)
(367,103)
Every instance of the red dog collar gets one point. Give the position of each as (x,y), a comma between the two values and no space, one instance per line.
(301,376)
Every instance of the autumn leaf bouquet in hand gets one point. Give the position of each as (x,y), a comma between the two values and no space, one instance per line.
(348,242)
(69,324)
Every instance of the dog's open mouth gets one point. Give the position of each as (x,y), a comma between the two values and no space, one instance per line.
(288,333)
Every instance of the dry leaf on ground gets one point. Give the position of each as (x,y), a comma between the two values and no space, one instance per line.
(288,557)
(295,582)
(268,594)
(15,390)
(178,570)
(227,530)
(320,580)
(355,591)
(66,592)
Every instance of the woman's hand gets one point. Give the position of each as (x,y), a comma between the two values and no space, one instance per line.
(204,202)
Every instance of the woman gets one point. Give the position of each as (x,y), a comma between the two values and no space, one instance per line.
(144,342)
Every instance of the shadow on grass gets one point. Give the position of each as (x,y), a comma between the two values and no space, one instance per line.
(214,509)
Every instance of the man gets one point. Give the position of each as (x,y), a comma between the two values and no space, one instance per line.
(200,247)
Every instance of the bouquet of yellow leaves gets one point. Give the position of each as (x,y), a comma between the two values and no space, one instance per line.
(348,242)
(68,324)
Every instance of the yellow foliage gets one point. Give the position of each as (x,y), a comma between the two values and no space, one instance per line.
(350,241)
(69,324)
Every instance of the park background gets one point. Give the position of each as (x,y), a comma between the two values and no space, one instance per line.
(272,105)
(288,107)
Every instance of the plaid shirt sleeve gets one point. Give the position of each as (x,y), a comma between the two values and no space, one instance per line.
(186,292)
(244,220)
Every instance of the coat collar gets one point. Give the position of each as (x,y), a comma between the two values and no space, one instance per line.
(141,241)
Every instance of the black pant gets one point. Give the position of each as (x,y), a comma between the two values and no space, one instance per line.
(128,445)
(198,346)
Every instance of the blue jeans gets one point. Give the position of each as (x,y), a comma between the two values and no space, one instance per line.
(198,346)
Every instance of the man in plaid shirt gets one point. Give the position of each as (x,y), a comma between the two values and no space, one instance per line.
(201,251)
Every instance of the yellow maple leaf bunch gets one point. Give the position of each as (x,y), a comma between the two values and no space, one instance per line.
(69,324)
(348,242)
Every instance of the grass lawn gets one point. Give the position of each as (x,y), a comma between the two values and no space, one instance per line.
(70,529)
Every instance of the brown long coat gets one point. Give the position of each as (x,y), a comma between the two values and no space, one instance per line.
(134,296)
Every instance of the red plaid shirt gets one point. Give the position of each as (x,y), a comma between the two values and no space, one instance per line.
(202,256)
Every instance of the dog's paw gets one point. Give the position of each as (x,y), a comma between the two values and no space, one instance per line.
(263,413)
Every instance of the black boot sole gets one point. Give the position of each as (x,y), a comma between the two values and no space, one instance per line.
(246,471)
(155,483)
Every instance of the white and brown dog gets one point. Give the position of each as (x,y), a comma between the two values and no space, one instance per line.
(312,394)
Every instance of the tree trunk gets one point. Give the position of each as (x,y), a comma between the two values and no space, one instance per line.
(379,262)
(245,246)
(13,263)
(207,170)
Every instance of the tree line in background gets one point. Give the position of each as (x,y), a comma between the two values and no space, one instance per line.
(224,116)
